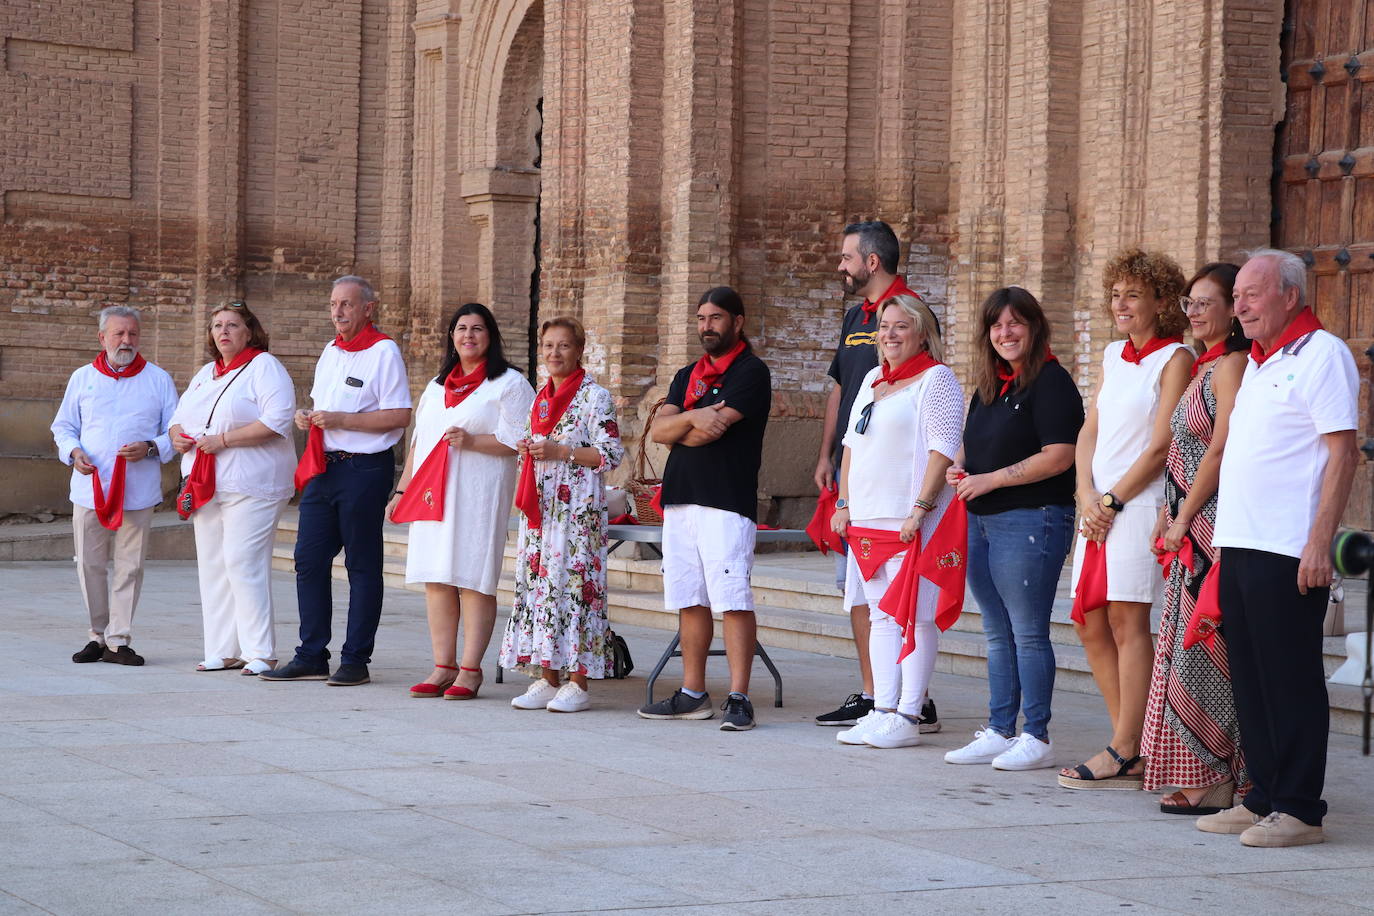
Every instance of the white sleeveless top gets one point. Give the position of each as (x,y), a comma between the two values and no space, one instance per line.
(1126,406)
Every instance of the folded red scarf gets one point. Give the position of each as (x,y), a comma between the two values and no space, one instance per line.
(200,485)
(109,508)
(423,500)
(243,358)
(1091,592)
(102,365)
(871,548)
(819,528)
(707,372)
(909,369)
(1008,377)
(1305,322)
(1184,555)
(897,288)
(458,385)
(1212,355)
(362,340)
(1131,355)
(1206,618)
(549,406)
(944,562)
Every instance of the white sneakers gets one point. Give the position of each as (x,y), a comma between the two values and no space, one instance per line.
(892,730)
(1024,752)
(543,695)
(855,733)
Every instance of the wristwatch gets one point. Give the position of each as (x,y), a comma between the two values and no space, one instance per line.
(1109,501)
(152,447)
(841,503)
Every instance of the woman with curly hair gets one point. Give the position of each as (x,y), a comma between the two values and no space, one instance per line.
(1120,464)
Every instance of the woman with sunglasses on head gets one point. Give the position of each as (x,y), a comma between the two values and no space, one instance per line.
(1120,468)
(1015,474)
(904,433)
(232,428)
(1192,737)
(456,491)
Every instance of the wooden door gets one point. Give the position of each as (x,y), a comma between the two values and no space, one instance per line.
(1324,187)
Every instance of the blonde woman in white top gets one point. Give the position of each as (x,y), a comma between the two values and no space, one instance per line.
(1120,466)
(904,431)
(238,409)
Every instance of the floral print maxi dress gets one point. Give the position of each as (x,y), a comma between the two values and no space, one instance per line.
(559,619)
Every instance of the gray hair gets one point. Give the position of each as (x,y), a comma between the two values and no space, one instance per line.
(922,317)
(1292,271)
(369,294)
(118,311)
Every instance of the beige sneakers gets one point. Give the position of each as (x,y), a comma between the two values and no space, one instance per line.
(1233,820)
(1282,830)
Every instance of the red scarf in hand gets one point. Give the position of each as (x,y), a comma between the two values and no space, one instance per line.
(871,548)
(1091,593)
(1206,619)
(549,406)
(1131,355)
(362,340)
(944,562)
(244,357)
(109,508)
(707,372)
(458,386)
(909,369)
(897,288)
(1305,322)
(423,500)
(102,365)
(822,535)
(1009,376)
(1184,555)
(200,485)
(1212,355)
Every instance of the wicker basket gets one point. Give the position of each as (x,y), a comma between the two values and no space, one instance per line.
(642,486)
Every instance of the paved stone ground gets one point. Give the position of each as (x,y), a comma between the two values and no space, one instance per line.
(163,790)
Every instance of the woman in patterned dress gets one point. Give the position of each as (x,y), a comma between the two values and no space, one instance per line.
(1191,737)
(557,628)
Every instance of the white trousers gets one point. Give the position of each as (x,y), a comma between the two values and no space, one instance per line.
(234,535)
(900,686)
(111,605)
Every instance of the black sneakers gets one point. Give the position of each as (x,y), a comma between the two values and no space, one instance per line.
(121,656)
(296,670)
(739,714)
(679,706)
(850,711)
(92,652)
(349,676)
(930,719)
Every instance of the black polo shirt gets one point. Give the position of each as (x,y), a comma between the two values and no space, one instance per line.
(723,474)
(855,356)
(1016,426)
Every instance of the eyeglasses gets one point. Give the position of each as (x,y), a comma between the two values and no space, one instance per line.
(865,418)
(1188,305)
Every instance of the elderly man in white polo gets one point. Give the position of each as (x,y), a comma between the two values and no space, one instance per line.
(112,430)
(1285,478)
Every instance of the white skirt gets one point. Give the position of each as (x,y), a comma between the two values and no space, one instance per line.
(1132,573)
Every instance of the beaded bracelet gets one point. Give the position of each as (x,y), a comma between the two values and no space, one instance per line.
(925,504)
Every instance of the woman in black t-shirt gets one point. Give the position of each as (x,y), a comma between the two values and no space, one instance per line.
(1015,471)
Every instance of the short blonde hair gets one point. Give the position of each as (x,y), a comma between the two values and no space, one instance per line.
(924,318)
(569,324)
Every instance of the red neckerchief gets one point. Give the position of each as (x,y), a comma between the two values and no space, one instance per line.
(549,406)
(458,386)
(819,530)
(1131,355)
(244,357)
(1091,592)
(707,372)
(1213,354)
(423,500)
(102,365)
(909,369)
(109,509)
(1206,618)
(1305,322)
(200,485)
(1008,378)
(362,340)
(897,288)
(1184,555)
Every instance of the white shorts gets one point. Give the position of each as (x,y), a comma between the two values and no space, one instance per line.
(707,557)
(1132,572)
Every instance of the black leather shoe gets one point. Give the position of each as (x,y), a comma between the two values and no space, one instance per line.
(121,656)
(296,670)
(349,676)
(92,653)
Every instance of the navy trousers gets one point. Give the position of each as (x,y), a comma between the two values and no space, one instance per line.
(342,509)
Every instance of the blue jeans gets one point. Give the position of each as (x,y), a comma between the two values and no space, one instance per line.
(1014,561)
(342,509)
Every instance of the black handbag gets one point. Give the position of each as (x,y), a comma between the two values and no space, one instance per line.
(621,662)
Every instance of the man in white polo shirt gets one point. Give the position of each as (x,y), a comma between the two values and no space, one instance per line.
(112,430)
(362,407)
(1285,478)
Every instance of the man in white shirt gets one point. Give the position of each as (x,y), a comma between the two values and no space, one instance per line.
(112,430)
(361,408)
(1285,478)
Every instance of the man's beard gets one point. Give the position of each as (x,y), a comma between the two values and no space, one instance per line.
(853,284)
(716,344)
(123,356)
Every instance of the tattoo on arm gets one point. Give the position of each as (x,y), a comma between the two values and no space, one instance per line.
(1018,470)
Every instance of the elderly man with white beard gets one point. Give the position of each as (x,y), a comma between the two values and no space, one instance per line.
(112,430)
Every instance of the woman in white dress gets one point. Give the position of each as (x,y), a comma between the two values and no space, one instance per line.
(235,419)
(557,627)
(905,429)
(477,404)
(1120,466)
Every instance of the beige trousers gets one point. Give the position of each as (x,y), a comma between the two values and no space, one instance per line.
(111,604)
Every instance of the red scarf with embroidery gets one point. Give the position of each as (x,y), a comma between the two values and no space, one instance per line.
(707,372)
(819,530)
(457,386)
(244,357)
(1305,322)
(102,365)
(897,288)
(1212,355)
(1205,622)
(1008,377)
(312,461)
(944,562)
(1091,592)
(549,406)
(109,508)
(909,369)
(1131,355)
(423,499)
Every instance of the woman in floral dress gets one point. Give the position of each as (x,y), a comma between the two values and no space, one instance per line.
(1191,737)
(557,627)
